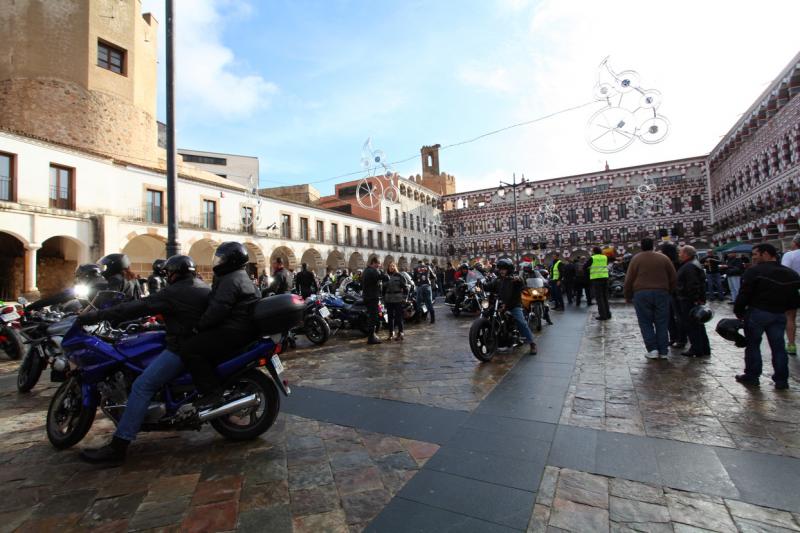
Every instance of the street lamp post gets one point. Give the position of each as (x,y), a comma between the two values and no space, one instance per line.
(501,192)
(173,246)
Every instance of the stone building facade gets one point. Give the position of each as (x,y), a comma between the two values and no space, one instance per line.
(755,169)
(594,209)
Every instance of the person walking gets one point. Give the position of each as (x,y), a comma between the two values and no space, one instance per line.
(395,292)
(305,281)
(714,278)
(424,280)
(648,283)
(734,270)
(557,285)
(280,279)
(791,260)
(370,291)
(568,279)
(691,291)
(768,290)
(598,277)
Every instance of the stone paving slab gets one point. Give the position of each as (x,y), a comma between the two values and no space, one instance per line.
(571,500)
(615,388)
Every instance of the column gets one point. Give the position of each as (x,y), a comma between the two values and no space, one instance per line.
(30,289)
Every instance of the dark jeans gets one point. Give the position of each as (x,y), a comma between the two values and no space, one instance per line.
(600,289)
(395,310)
(569,288)
(756,323)
(677,333)
(203,352)
(558,298)
(695,331)
(652,312)
(714,285)
(372,314)
(580,288)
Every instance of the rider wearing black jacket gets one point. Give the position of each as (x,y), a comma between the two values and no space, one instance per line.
(87,276)
(117,271)
(280,279)
(371,293)
(181,304)
(305,281)
(156,280)
(226,326)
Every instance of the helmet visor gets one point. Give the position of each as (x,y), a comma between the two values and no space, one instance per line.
(218,260)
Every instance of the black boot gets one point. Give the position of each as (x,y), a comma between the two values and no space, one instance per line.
(373,339)
(112,453)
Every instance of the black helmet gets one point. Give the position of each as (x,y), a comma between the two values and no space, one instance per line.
(88,273)
(230,256)
(178,267)
(464,266)
(505,263)
(701,313)
(728,329)
(114,264)
(158,266)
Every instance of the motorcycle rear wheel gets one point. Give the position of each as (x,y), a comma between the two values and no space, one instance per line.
(68,419)
(253,421)
(317,330)
(482,341)
(31,368)
(14,347)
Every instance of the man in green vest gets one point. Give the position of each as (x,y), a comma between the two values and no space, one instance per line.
(598,277)
(555,277)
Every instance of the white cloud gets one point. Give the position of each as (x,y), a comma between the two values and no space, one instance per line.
(208,75)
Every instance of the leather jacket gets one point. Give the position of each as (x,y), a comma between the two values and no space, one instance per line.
(232,298)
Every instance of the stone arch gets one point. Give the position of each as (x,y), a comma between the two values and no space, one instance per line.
(257,261)
(56,262)
(202,251)
(314,260)
(12,265)
(402,263)
(355,262)
(143,250)
(335,260)
(287,256)
(386,260)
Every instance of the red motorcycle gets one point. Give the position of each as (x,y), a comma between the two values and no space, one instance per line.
(10,339)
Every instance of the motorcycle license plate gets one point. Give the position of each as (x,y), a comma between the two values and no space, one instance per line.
(324,312)
(10,317)
(276,362)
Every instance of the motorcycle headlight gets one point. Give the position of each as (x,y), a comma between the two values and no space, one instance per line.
(535,292)
(477,289)
(81,291)
(485,304)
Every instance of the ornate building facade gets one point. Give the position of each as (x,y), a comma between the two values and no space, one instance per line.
(594,209)
(755,169)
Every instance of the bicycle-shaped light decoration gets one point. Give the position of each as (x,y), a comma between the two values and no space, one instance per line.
(378,184)
(252,217)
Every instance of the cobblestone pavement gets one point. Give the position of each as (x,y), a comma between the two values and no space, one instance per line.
(302,475)
(432,366)
(570,500)
(694,400)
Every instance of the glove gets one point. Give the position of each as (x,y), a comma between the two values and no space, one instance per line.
(90,317)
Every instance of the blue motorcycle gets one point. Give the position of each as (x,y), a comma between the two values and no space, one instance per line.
(103,362)
(349,312)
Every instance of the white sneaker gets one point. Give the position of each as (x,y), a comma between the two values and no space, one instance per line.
(652,354)
(663,356)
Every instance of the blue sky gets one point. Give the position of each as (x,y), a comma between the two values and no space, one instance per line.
(302,84)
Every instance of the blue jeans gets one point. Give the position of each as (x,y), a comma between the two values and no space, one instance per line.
(652,311)
(714,285)
(164,368)
(519,318)
(734,282)
(425,296)
(756,323)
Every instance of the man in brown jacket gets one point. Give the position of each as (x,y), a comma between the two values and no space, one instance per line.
(648,282)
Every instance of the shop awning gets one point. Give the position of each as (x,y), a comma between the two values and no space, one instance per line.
(727,246)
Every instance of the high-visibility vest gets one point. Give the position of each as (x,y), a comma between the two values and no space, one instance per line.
(599,269)
(556,274)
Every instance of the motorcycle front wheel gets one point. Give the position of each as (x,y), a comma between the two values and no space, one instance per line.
(68,419)
(456,310)
(251,422)
(14,347)
(538,313)
(482,341)
(30,369)
(317,330)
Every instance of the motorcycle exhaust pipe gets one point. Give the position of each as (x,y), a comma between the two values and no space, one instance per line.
(228,408)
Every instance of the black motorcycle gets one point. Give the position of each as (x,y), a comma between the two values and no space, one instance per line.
(616,284)
(467,295)
(41,332)
(315,324)
(494,329)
